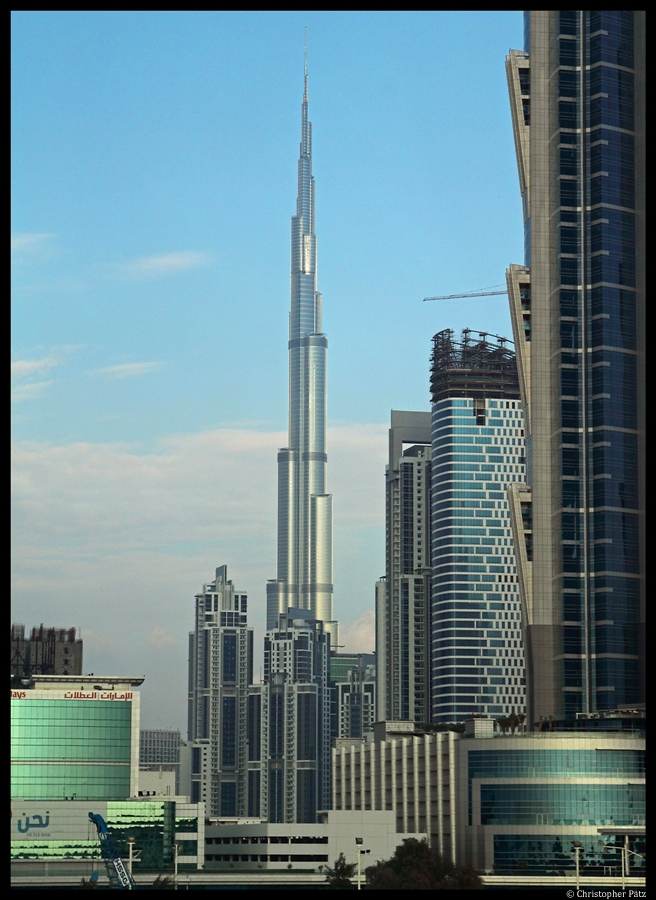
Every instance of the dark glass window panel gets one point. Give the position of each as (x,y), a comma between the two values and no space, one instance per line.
(620,554)
(229,658)
(568,161)
(569,382)
(568,84)
(568,193)
(618,381)
(607,412)
(570,461)
(573,640)
(228,799)
(570,492)
(569,336)
(573,672)
(568,52)
(568,114)
(622,674)
(229,731)
(618,325)
(569,303)
(617,459)
(617,45)
(572,559)
(568,240)
(571,526)
(569,271)
(615,105)
(617,598)
(572,606)
(568,22)
(615,638)
(525,80)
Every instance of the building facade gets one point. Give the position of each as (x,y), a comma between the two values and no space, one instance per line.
(47,651)
(509,805)
(57,839)
(295,720)
(403,596)
(578,309)
(477,657)
(353,694)
(305,554)
(220,672)
(253,846)
(75,738)
(159,749)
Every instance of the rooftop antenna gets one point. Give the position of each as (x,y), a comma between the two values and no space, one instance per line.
(305,52)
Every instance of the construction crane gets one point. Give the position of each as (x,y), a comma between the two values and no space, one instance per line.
(119,877)
(468,294)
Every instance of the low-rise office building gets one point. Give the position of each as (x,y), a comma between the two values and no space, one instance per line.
(58,838)
(508,804)
(75,737)
(256,845)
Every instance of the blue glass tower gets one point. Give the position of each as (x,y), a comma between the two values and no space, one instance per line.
(477,423)
(578,309)
(304,575)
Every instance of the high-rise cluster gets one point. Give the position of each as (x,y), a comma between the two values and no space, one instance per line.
(537,458)
(515,550)
(264,750)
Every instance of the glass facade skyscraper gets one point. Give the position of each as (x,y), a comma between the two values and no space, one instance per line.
(578,308)
(477,657)
(305,565)
(295,714)
(220,672)
(403,597)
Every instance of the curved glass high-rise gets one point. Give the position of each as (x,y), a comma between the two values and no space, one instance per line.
(305,569)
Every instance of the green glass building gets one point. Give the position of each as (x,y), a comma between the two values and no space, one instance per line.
(75,738)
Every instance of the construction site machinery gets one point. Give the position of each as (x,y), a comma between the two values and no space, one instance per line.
(468,294)
(118,875)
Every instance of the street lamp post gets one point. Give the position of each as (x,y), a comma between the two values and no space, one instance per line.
(133,855)
(624,856)
(577,846)
(176,850)
(625,859)
(358,849)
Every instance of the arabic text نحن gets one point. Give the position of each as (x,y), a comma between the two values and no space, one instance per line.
(33,823)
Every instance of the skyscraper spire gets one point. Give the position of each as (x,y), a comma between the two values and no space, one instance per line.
(304,576)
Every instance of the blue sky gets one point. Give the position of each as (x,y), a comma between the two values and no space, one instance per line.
(154,177)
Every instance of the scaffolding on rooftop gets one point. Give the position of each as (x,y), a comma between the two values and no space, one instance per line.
(472,367)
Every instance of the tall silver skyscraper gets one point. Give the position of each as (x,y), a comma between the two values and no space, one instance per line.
(305,565)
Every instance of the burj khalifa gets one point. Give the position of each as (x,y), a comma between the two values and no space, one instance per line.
(305,556)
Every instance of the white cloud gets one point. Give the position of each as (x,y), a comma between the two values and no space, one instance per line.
(22,392)
(118,542)
(359,636)
(30,247)
(23,368)
(127,370)
(160,637)
(165,264)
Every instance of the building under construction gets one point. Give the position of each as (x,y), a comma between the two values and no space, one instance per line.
(472,367)
(47,651)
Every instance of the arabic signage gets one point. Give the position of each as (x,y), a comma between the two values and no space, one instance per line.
(73,695)
(54,820)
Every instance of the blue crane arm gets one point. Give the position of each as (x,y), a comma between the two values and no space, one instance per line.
(118,875)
